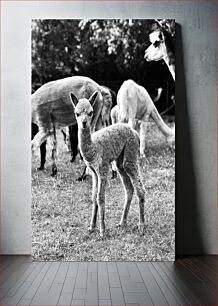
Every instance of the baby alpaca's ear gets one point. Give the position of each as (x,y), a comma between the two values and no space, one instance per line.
(74,99)
(93,97)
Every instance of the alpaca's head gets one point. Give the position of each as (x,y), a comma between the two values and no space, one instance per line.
(157,50)
(83,109)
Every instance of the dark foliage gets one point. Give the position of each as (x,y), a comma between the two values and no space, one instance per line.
(108,51)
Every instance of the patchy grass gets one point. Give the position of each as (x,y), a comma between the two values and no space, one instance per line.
(61,210)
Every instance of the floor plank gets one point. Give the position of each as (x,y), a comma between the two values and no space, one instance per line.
(167,290)
(5,262)
(36,282)
(172,284)
(200,270)
(105,302)
(196,291)
(103,282)
(48,298)
(49,277)
(73,269)
(112,267)
(114,280)
(78,302)
(188,281)
(10,273)
(69,285)
(153,289)
(139,298)
(24,302)
(61,274)
(65,298)
(117,297)
(17,296)
(29,275)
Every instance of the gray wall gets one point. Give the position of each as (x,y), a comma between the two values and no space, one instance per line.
(196,113)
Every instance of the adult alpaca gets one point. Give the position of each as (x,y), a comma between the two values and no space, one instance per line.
(52,109)
(134,104)
(116,142)
(161,48)
(70,139)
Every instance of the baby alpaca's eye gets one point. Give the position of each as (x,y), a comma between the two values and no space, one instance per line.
(90,114)
(77,114)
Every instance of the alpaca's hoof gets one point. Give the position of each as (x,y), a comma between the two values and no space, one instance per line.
(141,229)
(91,229)
(102,232)
(102,235)
(54,170)
(142,155)
(54,173)
(41,168)
(122,224)
(81,178)
(72,159)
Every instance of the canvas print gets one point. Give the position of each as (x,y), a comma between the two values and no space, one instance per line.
(103,139)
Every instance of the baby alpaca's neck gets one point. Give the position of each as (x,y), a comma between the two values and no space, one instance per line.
(85,144)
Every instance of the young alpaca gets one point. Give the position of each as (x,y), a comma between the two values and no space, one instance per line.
(116,142)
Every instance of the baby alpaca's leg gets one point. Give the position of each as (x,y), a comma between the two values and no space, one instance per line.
(128,192)
(94,201)
(102,183)
(141,198)
(133,172)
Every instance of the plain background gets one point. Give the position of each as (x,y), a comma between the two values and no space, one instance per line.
(196,89)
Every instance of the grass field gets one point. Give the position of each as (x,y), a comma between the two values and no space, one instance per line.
(61,210)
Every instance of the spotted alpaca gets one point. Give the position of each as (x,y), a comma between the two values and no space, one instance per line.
(161,48)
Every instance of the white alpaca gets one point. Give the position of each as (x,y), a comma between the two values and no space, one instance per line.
(136,106)
(116,142)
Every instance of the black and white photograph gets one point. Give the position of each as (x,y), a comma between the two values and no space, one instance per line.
(103,139)
(108,152)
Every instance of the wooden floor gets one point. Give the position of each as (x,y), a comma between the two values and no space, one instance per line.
(188,281)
